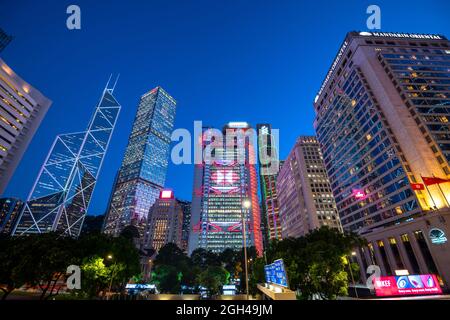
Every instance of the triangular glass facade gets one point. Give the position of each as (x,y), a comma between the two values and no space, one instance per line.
(62,192)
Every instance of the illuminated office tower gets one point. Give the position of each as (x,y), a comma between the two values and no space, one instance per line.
(22,109)
(62,192)
(304,192)
(164,223)
(382,119)
(268,178)
(143,171)
(225,193)
(9,212)
(186,208)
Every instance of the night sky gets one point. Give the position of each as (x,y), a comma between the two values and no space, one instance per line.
(222,60)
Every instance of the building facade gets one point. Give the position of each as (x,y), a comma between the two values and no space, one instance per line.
(164,223)
(143,171)
(22,109)
(382,120)
(63,189)
(267,147)
(304,192)
(223,183)
(186,208)
(9,212)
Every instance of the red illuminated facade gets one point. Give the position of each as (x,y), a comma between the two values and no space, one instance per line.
(221,186)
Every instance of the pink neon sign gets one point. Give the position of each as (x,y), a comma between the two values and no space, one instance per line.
(407,285)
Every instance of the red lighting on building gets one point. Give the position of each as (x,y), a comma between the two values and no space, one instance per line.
(224,177)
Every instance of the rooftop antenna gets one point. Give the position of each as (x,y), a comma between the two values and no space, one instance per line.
(107,84)
(115,82)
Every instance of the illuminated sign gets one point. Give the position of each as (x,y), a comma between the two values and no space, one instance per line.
(139,286)
(401,35)
(402,272)
(238,125)
(407,285)
(437,236)
(333,66)
(276,273)
(358,194)
(166,194)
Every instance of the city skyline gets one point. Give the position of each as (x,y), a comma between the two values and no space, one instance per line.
(298,93)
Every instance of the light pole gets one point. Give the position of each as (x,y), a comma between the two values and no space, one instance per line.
(245,204)
(110,257)
(351,273)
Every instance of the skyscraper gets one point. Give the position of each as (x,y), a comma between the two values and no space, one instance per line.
(222,184)
(306,200)
(9,212)
(62,192)
(186,208)
(164,223)
(382,118)
(143,171)
(4,39)
(268,178)
(22,109)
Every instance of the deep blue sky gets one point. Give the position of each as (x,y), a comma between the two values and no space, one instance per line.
(222,60)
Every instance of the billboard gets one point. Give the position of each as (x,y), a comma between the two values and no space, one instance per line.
(407,285)
(276,273)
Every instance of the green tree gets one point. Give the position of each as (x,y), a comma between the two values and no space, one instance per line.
(213,278)
(13,266)
(204,258)
(171,255)
(166,278)
(256,274)
(95,276)
(50,254)
(315,263)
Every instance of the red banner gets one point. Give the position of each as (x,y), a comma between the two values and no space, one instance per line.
(433,180)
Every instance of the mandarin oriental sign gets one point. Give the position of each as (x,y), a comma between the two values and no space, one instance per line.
(402,35)
(332,68)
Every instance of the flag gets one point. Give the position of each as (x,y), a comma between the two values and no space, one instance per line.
(428,181)
(417,186)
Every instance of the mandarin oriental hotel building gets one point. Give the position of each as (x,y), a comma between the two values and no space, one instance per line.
(382,120)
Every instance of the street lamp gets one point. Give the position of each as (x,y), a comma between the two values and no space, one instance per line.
(351,273)
(245,204)
(110,257)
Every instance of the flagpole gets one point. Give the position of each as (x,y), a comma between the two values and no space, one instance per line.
(426,187)
(440,189)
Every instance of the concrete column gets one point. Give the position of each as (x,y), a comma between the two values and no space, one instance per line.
(379,259)
(403,254)
(368,256)
(361,266)
(418,253)
(390,255)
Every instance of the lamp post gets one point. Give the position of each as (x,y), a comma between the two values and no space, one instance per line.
(110,257)
(351,273)
(245,204)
